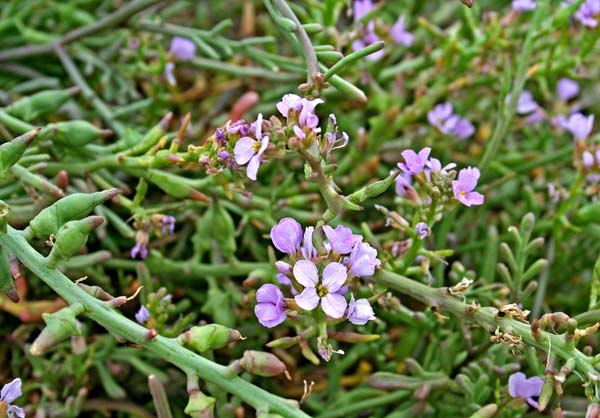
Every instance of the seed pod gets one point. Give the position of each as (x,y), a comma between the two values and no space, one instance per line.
(6,278)
(39,104)
(11,152)
(59,326)
(74,206)
(209,337)
(71,237)
(261,363)
(174,185)
(546,393)
(200,405)
(487,411)
(74,133)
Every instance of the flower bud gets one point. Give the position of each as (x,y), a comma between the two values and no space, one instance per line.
(74,206)
(39,104)
(261,363)
(546,392)
(487,411)
(209,337)
(12,151)
(175,186)
(200,405)
(59,326)
(72,236)
(74,133)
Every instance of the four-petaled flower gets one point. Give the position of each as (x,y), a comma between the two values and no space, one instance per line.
(525,104)
(182,49)
(363,260)
(399,33)
(249,150)
(142,315)
(464,186)
(413,162)
(10,392)
(422,230)
(327,292)
(270,309)
(521,387)
(359,311)
(567,89)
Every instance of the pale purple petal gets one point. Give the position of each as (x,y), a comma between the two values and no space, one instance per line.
(521,387)
(567,89)
(361,8)
(306,273)
(252,168)
(334,305)
(287,236)
(308,299)
(289,102)
(360,311)
(269,315)
(244,150)
(523,5)
(308,250)
(183,49)
(341,238)
(588,159)
(11,390)
(142,315)
(400,35)
(269,293)
(169,73)
(467,177)
(363,260)
(15,411)
(334,276)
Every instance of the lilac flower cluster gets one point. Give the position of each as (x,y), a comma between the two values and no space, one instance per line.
(10,392)
(300,114)
(159,224)
(317,276)
(431,168)
(442,117)
(367,34)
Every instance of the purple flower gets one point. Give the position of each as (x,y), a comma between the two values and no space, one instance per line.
(363,260)
(422,230)
(342,239)
(464,186)
(521,387)
(182,48)
(413,162)
(326,293)
(526,104)
(588,12)
(435,166)
(567,89)
(369,37)
(249,150)
(307,117)
(168,224)
(270,309)
(220,134)
(142,315)
(400,35)
(169,73)
(10,392)
(289,102)
(360,311)
(308,250)
(403,181)
(234,128)
(287,236)
(523,5)
(588,159)
(463,129)
(223,155)
(139,249)
(361,8)
(438,115)
(578,124)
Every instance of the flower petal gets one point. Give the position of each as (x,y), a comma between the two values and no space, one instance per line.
(11,391)
(252,167)
(244,150)
(269,315)
(334,305)
(15,411)
(269,293)
(334,276)
(308,299)
(306,273)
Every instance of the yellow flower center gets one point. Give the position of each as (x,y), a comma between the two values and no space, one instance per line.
(463,193)
(256,146)
(321,290)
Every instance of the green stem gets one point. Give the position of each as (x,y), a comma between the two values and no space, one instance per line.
(366,405)
(167,348)
(312,64)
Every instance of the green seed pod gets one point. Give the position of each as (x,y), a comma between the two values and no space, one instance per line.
(174,185)
(74,133)
(74,206)
(39,104)
(546,393)
(59,326)
(487,411)
(71,237)
(6,279)
(209,337)
(11,152)
(588,214)
(261,363)
(200,405)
